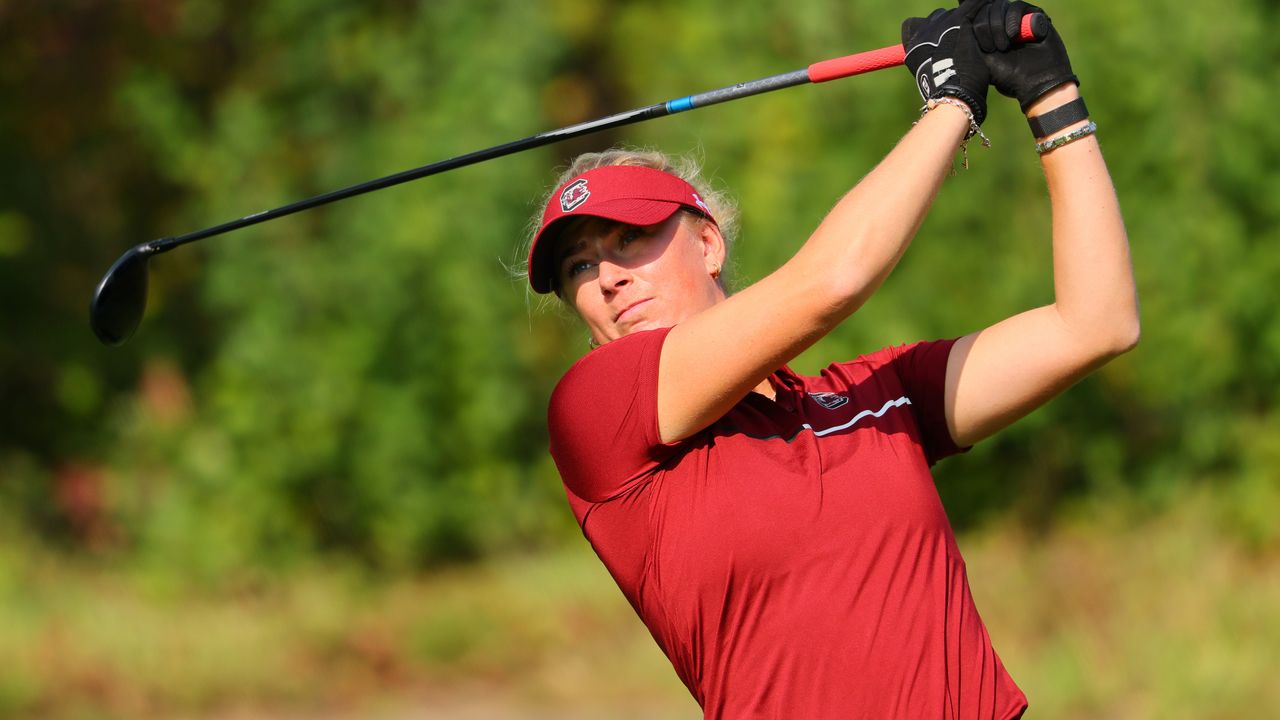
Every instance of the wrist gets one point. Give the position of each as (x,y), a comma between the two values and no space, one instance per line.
(1064,117)
(975,104)
(957,106)
(962,113)
(958,110)
(1057,97)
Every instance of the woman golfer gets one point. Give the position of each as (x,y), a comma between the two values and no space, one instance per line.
(780,535)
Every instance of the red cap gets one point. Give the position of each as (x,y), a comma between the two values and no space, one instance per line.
(623,193)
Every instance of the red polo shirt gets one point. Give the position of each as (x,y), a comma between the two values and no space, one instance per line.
(793,560)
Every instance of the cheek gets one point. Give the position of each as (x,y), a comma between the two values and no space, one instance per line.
(588,306)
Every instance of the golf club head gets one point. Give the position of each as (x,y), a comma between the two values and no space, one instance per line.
(121,297)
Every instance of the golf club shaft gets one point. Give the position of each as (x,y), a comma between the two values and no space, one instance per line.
(824,71)
(819,72)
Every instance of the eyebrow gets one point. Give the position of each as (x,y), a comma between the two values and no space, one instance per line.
(567,252)
(607,228)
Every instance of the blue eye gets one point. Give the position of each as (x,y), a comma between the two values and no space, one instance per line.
(577,267)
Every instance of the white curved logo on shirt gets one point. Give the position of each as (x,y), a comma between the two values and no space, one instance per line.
(904,400)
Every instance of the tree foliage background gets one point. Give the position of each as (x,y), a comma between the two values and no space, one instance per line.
(366,382)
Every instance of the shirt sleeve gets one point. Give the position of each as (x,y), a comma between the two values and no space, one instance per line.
(922,369)
(603,418)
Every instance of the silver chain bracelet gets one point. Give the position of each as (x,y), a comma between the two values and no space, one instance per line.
(974,128)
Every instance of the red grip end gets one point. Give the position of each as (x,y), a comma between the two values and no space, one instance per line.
(1035,26)
(865,62)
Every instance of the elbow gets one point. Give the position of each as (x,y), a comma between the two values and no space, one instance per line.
(1105,338)
(1104,331)
(838,280)
(1133,336)
(1128,329)
(830,296)
(844,287)
(843,292)
(840,296)
(1122,338)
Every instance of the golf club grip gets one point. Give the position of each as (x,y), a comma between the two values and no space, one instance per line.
(1034,27)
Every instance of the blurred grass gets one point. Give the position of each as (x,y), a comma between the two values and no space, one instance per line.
(85,642)
(1111,617)
(1100,616)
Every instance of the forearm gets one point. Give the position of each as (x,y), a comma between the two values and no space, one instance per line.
(1094,291)
(870,228)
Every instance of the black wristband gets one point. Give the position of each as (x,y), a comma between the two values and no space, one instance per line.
(1051,122)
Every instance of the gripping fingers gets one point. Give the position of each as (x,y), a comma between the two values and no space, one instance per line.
(1002,24)
(910,27)
(988,27)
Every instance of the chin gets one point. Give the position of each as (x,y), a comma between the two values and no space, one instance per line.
(639,325)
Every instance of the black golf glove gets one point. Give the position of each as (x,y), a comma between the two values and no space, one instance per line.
(944,57)
(1025,71)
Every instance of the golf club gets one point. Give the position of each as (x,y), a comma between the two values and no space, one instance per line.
(121,296)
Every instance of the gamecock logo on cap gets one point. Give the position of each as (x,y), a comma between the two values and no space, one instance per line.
(573,196)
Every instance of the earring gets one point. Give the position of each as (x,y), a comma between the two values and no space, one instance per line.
(715,271)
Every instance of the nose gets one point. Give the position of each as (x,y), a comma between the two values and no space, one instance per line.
(612,276)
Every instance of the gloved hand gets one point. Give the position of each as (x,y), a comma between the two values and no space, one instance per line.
(1025,71)
(944,57)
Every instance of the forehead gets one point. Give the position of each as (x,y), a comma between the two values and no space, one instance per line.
(581,228)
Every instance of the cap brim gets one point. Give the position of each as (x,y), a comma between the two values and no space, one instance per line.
(632,211)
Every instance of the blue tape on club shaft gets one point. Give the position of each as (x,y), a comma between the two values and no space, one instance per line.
(680,104)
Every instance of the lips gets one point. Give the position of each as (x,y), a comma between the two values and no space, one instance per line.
(628,310)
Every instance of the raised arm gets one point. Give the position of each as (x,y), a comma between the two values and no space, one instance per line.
(712,360)
(999,374)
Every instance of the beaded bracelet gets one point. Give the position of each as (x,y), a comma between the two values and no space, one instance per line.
(974,128)
(1074,135)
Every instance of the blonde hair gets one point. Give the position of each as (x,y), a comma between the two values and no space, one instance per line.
(686,168)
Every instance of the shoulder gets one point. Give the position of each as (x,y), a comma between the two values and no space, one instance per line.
(627,350)
(906,357)
(910,359)
(616,364)
(602,419)
(913,352)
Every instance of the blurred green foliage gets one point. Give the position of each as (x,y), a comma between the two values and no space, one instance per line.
(367,381)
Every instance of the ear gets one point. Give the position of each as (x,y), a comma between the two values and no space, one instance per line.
(714,251)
